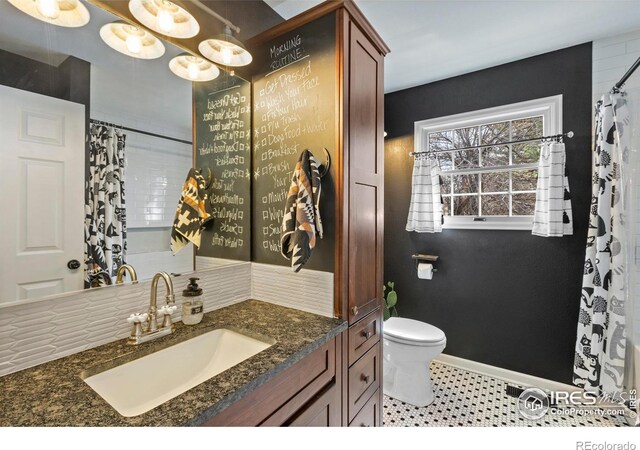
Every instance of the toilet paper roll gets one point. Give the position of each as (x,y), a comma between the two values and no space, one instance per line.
(425,271)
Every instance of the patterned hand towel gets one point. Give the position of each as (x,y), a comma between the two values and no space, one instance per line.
(192,213)
(301,219)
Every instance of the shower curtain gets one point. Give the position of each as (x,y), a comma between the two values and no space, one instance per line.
(105,219)
(599,363)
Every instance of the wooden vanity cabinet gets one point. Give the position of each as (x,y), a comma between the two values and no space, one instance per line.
(357,174)
(305,394)
(359,254)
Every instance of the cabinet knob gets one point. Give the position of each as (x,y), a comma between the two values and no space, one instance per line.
(366,334)
(364,378)
(364,425)
(354,310)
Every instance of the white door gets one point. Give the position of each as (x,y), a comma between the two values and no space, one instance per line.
(41,195)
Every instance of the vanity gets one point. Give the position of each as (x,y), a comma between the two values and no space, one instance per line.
(312,339)
(300,345)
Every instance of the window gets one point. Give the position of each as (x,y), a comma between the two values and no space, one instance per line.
(490,183)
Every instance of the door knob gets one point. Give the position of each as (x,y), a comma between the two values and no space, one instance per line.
(73,264)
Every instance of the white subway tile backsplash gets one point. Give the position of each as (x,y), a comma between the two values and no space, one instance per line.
(626,37)
(608,51)
(609,74)
(633,46)
(612,57)
(37,332)
(308,290)
(619,64)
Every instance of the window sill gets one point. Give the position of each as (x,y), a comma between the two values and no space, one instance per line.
(490,223)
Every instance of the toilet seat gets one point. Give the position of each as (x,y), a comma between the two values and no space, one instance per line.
(412,332)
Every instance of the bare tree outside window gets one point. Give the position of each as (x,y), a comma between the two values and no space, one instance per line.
(489,181)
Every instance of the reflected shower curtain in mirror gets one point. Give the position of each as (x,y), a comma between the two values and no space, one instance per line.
(105,218)
(599,362)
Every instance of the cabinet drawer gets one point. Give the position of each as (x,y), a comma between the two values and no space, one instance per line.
(364,335)
(364,380)
(369,415)
(323,411)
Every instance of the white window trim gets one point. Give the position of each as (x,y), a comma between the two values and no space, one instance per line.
(550,108)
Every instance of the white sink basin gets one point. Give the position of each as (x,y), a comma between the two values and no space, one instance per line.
(138,386)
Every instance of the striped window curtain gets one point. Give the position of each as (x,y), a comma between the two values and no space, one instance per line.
(425,209)
(105,218)
(553,216)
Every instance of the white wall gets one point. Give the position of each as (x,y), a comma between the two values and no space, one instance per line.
(611,59)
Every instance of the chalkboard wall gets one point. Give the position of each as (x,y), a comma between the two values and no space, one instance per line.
(222,120)
(294,104)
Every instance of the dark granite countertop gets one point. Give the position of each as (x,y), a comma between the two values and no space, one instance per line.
(54,394)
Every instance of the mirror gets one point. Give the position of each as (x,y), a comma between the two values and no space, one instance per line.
(64,93)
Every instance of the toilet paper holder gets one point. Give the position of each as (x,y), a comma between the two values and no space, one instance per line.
(418,257)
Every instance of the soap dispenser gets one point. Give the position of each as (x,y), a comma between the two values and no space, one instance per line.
(192,303)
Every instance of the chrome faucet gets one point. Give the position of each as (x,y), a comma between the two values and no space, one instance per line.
(145,326)
(126,268)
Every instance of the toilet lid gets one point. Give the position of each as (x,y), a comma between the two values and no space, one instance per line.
(412,330)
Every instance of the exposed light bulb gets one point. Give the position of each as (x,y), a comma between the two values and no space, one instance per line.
(48,8)
(165,20)
(226,54)
(193,71)
(134,44)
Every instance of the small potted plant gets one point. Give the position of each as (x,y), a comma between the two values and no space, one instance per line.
(390,300)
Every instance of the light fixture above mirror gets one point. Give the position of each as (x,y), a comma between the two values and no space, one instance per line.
(226,50)
(193,68)
(63,13)
(131,40)
(165,17)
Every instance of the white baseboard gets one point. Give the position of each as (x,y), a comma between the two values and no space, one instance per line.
(521,379)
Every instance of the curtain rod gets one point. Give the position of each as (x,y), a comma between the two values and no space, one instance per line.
(616,87)
(568,134)
(134,130)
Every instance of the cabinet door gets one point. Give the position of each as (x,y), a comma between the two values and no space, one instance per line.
(366,177)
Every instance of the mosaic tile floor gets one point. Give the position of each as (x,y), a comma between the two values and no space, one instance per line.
(468,399)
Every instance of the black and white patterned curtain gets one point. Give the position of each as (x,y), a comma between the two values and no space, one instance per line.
(105,218)
(599,363)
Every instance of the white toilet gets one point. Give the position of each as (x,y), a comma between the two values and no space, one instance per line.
(409,346)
